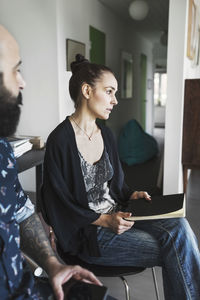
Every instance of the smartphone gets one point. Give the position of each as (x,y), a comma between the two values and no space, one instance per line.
(77,290)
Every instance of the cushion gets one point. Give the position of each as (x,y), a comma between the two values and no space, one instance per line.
(135,145)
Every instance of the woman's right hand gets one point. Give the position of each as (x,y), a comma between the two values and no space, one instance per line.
(115,222)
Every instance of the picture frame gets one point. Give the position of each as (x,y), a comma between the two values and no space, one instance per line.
(126,75)
(192,30)
(197,56)
(72,48)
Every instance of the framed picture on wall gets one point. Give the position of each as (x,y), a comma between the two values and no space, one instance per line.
(126,75)
(192,30)
(73,48)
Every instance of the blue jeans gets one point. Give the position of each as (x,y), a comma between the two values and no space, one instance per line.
(169,243)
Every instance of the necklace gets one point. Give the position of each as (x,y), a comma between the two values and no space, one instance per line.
(89,136)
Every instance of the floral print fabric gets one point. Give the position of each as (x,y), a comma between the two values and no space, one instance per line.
(16,280)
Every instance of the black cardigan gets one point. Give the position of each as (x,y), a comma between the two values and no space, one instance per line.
(64,203)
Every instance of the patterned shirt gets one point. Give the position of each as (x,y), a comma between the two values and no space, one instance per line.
(96,179)
(16,280)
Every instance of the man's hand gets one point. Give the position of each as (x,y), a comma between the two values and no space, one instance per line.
(35,244)
(59,274)
(115,222)
(140,194)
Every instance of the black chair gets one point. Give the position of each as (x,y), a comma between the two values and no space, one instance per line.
(113,271)
(98,270)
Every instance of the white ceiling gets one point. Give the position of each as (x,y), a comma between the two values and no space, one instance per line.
(152,26)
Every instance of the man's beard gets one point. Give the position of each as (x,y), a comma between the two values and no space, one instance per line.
(9,111)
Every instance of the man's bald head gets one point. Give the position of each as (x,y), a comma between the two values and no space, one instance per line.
(9,62)
(8,47)
(11,82)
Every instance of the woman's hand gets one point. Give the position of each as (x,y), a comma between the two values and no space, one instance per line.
(140,194)
(115,222)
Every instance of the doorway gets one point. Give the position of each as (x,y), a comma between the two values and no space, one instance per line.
(160,98)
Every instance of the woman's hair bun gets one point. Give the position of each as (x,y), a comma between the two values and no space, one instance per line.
(78,63)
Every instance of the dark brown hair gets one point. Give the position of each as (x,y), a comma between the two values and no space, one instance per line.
(84,72)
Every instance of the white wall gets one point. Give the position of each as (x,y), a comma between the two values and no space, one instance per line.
(174,106)
(179,68)
(191,72)
(33,24)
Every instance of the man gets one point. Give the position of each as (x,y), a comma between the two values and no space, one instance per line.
(16,210)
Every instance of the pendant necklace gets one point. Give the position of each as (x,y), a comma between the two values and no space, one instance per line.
(89,136)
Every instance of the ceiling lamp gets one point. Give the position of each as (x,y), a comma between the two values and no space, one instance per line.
(138,9)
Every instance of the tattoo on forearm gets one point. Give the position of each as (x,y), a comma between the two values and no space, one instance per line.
(34,241)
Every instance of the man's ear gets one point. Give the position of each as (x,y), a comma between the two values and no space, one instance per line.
(86,90)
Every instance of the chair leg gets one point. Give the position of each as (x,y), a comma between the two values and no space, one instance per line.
(155,283)
(127,290)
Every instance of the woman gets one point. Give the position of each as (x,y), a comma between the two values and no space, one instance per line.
(84,184)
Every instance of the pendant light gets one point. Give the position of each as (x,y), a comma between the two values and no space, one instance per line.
(138,9)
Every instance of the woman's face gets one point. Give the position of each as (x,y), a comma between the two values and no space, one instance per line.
(102,96)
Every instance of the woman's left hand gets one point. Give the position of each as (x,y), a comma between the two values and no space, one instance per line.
(140,194)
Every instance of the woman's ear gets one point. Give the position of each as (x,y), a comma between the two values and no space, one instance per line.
(86,90)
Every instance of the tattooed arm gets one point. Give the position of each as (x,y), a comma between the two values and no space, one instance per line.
(34,241)
(35,244)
